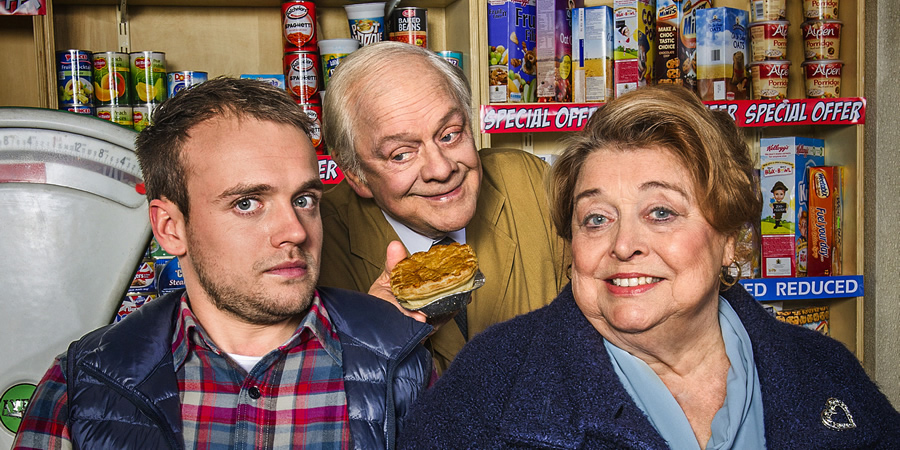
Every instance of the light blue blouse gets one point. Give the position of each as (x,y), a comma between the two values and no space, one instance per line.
(738,424)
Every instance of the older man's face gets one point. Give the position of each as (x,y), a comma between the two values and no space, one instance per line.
(417,153)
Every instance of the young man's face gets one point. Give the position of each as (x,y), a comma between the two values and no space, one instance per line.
(254,235)
(418,154)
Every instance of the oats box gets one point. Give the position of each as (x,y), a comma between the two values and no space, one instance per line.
(722,54)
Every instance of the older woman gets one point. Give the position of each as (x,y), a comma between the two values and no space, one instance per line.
(652,345)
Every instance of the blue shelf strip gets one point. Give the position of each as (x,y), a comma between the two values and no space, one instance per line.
(778,289)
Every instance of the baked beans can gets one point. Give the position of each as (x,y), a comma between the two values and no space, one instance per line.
(821,39)
(120,114)
(148,73)
(142,115)
(455,58)
(179,81)
(301,74)
(298,25)
(823,78)
(770,79)
(768,40)
(314,112)
(74,79)
(409,24)
(112,78)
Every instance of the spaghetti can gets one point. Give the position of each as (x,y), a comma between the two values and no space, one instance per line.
(112,78)
(120,114)
(179,81)
(74,79)
(298,26)
(409,24)
(301,74)
(148,73)
(314,112)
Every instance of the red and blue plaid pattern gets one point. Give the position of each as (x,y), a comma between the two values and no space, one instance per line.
(293,397)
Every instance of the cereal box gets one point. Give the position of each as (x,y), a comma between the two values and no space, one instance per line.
(676,35)
(783,171)
(722,54)
(825,209)
(512,59)
(635,40)
(592,54)
(815,318)
(554,50)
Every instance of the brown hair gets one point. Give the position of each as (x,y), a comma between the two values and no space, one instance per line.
(708,144)
(159,147)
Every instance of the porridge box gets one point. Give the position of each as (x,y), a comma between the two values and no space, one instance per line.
(592,54)
(722,54)
(512,59)
(635,42)
(785,215)
(554,49)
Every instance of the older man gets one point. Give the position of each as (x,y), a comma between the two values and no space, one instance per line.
(398,121)
(252,354)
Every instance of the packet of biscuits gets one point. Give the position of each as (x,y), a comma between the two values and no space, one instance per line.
(437,282)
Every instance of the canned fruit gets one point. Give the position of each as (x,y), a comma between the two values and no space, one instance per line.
(111,74)
(76,91)
(112,85)
(148,93)
(148,70)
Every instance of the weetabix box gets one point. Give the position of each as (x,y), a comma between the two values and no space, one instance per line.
(784,184)
(722,54)
(635,41)
(826,188)
(592,54)
(553,49)
(512,58)
(676,36)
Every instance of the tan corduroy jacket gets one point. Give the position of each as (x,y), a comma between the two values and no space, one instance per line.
(523,260)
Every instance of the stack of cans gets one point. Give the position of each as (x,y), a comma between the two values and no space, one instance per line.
(158,274)
(113,87)
(148,75)
(301,62)
(74,80)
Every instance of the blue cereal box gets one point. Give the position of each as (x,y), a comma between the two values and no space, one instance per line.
(592,54)
(169,275)
(723,54)
(784,164)
(554,49)
(512,59)
(635,43)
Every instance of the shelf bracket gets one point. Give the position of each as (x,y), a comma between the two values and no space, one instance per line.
(528,142)
(124,29)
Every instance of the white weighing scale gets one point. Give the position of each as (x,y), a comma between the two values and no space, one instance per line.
(73,228)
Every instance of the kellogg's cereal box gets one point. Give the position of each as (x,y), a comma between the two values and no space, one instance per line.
(635,43)
(513,62)
(592,54)
(783,171)
(825,213)
(676,35)
(722,54)
(554,49)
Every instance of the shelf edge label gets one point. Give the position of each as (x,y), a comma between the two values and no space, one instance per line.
(804,288)
(535,117)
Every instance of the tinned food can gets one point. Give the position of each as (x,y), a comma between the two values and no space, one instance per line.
(298,25)
(74,79)
(455,58)
(142,115)
(314,112)
(410,25)
(148,73)
(112,78)
(179,81)
(120,114)
(301,75)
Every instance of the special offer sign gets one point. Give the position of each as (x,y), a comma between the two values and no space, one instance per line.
(540,117)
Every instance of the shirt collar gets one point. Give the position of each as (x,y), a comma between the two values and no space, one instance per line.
(415,242)
(189,333)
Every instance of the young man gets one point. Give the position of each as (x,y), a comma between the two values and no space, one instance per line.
(252,354)
(404,140)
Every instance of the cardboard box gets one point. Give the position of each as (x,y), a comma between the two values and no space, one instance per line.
(826,188)
(554,49)
(676,35)
(635,44)
(723,54)
(783,181)
(592,54)
(511,40)
(815,318)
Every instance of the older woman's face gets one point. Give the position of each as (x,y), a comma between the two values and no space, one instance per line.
(645,258)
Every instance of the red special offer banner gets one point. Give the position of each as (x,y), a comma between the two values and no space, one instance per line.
(329,172)
(23,8)
(540,117)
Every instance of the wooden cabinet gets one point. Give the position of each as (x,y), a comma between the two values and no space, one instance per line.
(232,37)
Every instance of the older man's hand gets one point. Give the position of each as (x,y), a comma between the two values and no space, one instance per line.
(381,288)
